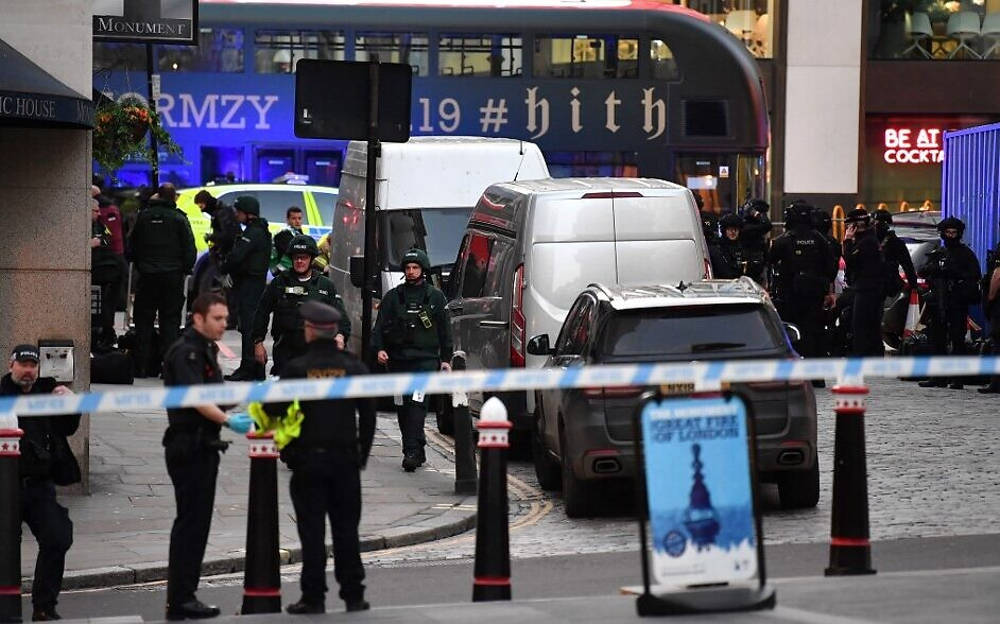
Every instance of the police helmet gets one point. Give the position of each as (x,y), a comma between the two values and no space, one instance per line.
(822,221)
(418,256)
(799,213)
(754,205)
(247,204)
(302,244)
(883,216)
(951,223)
(731,220)
(858,215)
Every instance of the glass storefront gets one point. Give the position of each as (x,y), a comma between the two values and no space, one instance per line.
(751,21)
(934,30)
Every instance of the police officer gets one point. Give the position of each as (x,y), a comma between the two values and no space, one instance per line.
(756,227)
(46,461)
(866,277)
(728,258)
(247,264)
(953,272)
(333,445)
(894,253)
(192,445)
(281,260)
(284,296)
(412,334)
(163,251)
(803,267)
(709,221)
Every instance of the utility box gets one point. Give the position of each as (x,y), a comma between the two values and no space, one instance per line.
(56,360)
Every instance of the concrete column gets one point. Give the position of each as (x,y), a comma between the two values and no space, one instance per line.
(44,191)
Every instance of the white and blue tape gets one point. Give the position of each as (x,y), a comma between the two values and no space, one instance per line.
(704,376)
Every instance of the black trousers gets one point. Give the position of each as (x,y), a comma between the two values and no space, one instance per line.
(157,294)
(248,292)
(807,314)
(948,328)
(328,484)
(53,530)
(412,414)
(193,470)
(866,323)
(287,346)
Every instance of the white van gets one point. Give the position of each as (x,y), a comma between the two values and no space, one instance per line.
(425,190)
(532,247)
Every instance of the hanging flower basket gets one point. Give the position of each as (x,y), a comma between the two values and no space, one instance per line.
(120,133)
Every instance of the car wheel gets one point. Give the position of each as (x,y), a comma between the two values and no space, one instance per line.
(576,497)
(800,489)
(547,469)
(445,415)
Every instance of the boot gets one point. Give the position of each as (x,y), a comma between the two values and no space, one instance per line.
(933,382)
(243,373)
(358,605)
(302,607)
(44,614)
(191,610)
(411,461)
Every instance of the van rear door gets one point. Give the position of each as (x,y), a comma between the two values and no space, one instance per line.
(656,239)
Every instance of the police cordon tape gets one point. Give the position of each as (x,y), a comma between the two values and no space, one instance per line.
(705,375)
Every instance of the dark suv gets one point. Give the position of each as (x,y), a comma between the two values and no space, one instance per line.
(584,435)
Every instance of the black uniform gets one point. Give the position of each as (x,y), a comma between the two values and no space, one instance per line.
(753,239)
(413,327)
(866,275)
(728,259)
(282,297)
(953,272)
(248,264)
(192,447)
(105,272)
(802,262)
(48,520)
(163,251)
(225,229)
(325,460)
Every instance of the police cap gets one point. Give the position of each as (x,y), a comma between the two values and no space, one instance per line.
(319,315)
(25,352)
(247,204)
(858,215)
(303,244)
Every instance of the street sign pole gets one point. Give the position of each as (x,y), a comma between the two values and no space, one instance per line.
(370,264)
(153,92)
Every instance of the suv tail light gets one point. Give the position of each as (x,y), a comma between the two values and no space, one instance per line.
(517,324)
(616,392)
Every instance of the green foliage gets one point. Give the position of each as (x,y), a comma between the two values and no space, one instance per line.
(120,133)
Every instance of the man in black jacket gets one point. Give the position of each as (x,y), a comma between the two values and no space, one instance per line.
(333,445)
(46,460)
(866,275)
(728,257)
(895,254)
(247,264)
(163,252)
(753,238)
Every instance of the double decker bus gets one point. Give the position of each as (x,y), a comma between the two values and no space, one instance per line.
(604,87)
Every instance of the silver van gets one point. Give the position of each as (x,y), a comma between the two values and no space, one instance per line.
(531,247)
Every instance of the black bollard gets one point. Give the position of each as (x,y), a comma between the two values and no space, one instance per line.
(261,579)
(850,549)
(10,525)
(465,453)
(491,580)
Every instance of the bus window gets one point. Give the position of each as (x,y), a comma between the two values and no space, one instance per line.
(479,55)
(662,63)
(218,50)
(410,48)
(277,51)
(582,56)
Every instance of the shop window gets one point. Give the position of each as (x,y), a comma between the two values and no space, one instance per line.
(110,56)
(479,55)
(585,56)
(932,30)
(277,51)
(750,21)
(409,48)
(218,50)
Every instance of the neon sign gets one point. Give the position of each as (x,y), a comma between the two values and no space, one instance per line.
(913,146)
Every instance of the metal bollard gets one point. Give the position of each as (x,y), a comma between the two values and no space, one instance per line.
(491,580)
(10,524)
(465,454)
(850,549)
(261,579)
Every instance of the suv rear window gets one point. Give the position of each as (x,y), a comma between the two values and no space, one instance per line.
(690,331)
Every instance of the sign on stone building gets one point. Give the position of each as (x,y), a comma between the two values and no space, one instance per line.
(146,21)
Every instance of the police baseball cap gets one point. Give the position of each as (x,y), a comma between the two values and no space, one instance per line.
(247,204)
(24,353)
(318,314)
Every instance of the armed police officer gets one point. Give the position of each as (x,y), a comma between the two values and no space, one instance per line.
(192,445)
(753,237)
(728,257)
(895,255)
(283,298)
(803,269)
(866,277)
(413,334)
(247,263)
(333,444)
(953,273)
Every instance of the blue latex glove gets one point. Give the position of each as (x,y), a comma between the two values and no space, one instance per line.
(240,422)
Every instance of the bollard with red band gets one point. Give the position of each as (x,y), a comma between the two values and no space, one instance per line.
(261,577)
(10,525)
(850,550)
(491,579)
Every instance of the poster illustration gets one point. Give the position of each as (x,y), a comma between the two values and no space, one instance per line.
(699,491)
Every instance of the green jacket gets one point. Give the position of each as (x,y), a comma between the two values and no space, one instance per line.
(161,241)
(285,294)
(413,324)
(251,252)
